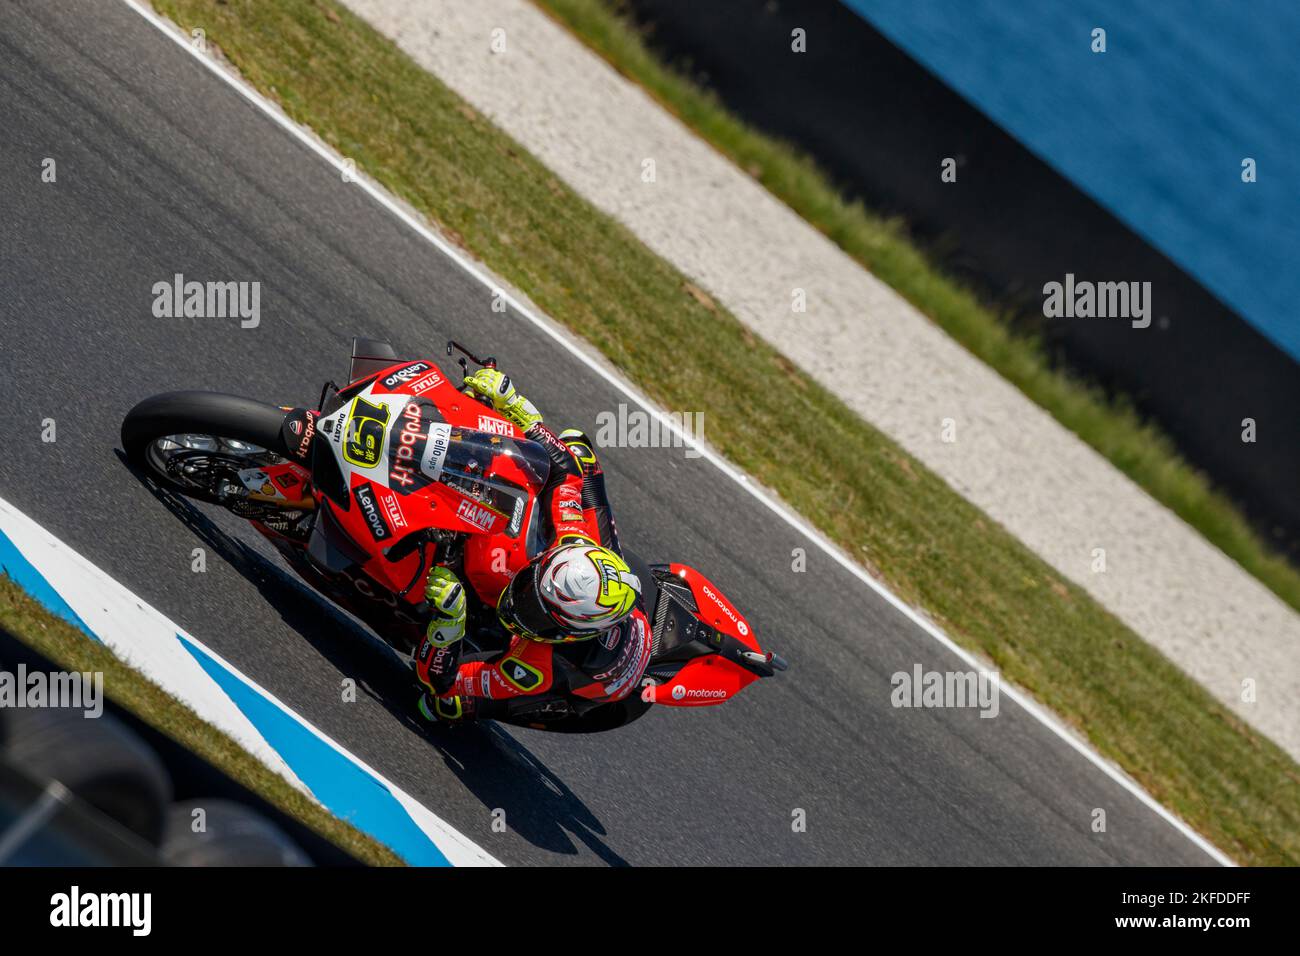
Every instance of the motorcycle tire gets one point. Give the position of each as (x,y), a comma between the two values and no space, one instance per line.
(201,413)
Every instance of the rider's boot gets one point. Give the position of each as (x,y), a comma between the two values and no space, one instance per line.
(460,709)
(450,709)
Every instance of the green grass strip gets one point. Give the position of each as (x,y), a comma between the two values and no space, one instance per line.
(1111,426)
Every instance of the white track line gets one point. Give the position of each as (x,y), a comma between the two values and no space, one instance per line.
(562,339)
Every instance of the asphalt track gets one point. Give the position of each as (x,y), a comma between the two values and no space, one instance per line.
(162,168)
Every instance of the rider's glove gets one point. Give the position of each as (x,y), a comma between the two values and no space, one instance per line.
(446,598)
(450,709)
(495,386)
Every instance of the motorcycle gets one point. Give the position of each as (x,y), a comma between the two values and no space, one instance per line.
(399,470)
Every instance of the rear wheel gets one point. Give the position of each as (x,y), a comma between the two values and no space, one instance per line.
(197,443)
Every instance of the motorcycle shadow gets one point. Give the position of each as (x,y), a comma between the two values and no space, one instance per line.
(524,795)
(494,767)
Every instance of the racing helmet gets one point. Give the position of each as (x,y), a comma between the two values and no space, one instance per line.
(572,592)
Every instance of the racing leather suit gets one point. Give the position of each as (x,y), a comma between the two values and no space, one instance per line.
(573,505)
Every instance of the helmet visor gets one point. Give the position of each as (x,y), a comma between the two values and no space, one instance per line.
(521,608)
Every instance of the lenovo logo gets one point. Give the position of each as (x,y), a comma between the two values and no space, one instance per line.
(407,374)
(370,511)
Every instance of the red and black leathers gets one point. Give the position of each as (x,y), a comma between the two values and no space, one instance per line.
(605,668)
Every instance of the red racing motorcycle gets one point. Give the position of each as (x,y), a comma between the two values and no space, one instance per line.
(400,470)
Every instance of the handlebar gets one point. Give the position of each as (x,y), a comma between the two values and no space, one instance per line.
(489,362)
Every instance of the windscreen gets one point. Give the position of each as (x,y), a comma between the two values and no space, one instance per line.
(497,471)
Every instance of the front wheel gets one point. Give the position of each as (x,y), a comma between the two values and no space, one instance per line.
(197,443)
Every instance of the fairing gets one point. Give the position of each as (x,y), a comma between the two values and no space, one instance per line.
(411,453)
(712,676)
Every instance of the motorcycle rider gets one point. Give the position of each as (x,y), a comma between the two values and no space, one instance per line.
(572,606)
